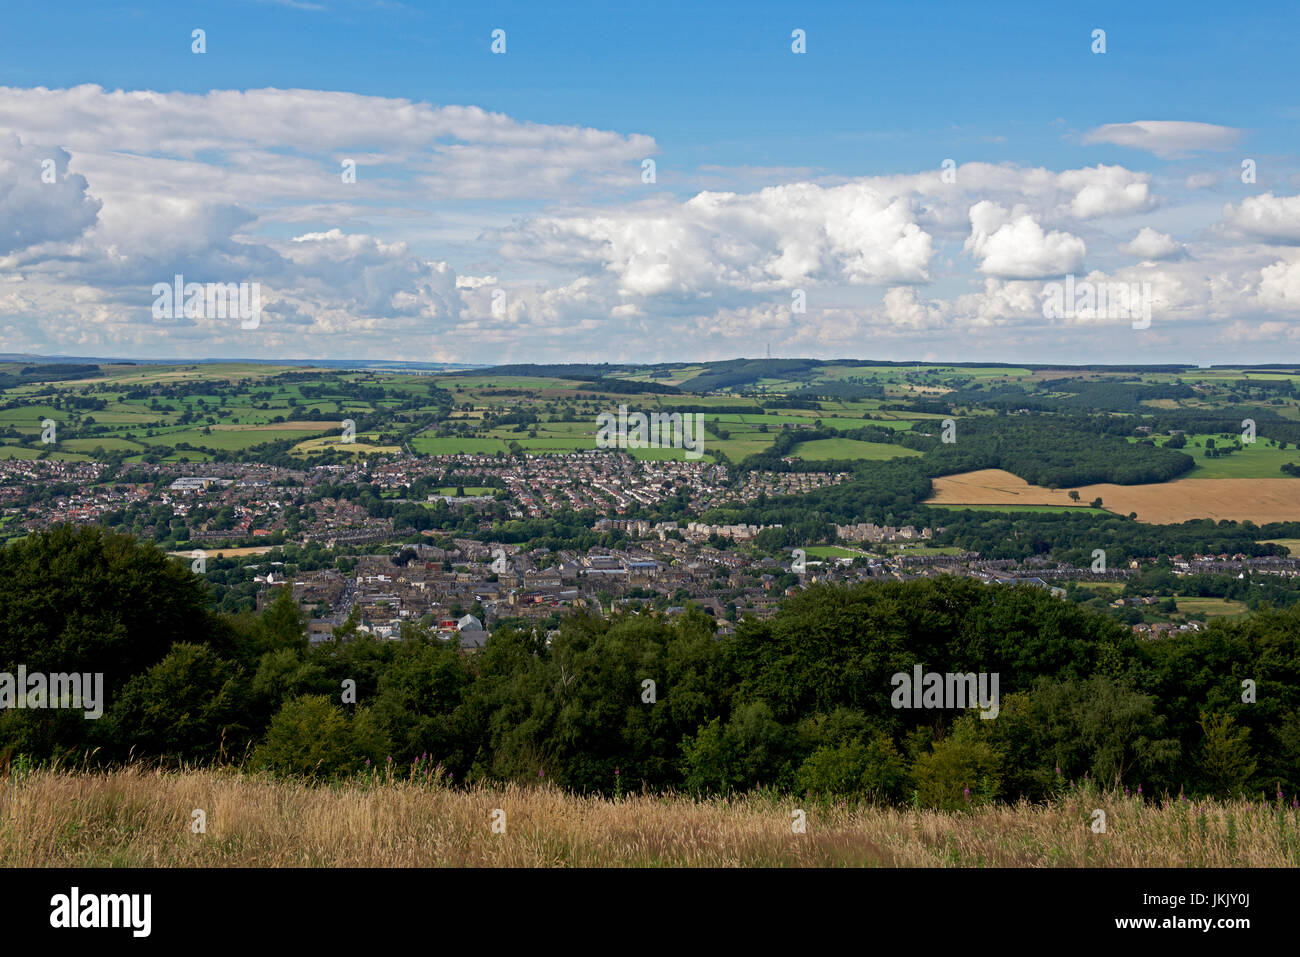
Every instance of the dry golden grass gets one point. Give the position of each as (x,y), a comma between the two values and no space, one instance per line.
(1257,500)
(142,818)
(994,487)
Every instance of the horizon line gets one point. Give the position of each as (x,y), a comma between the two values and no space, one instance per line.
(418,363)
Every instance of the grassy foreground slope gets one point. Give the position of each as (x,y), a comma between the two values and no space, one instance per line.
(139,818)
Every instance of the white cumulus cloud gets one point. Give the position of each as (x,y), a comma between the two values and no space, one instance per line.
(1267,217)
(1011,246)
(1151,245)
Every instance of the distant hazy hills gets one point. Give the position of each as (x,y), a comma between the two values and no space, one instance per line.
(317,363)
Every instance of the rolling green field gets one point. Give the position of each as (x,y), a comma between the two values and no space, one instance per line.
(144,411)
(102,442)
(831,551)
(451,445)
(1104,586)
(1257,460)
(909,548)
(820,449)
(20,452)
(1210,607)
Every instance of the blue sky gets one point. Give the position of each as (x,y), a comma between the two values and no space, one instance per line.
(519,226)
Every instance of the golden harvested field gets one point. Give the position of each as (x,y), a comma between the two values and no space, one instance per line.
(1257,500)
(140,818)
(226,552)
(993,487)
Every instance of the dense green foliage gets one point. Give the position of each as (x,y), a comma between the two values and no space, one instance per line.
(1055,452)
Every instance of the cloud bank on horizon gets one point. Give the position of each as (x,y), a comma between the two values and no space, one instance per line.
(385,226)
